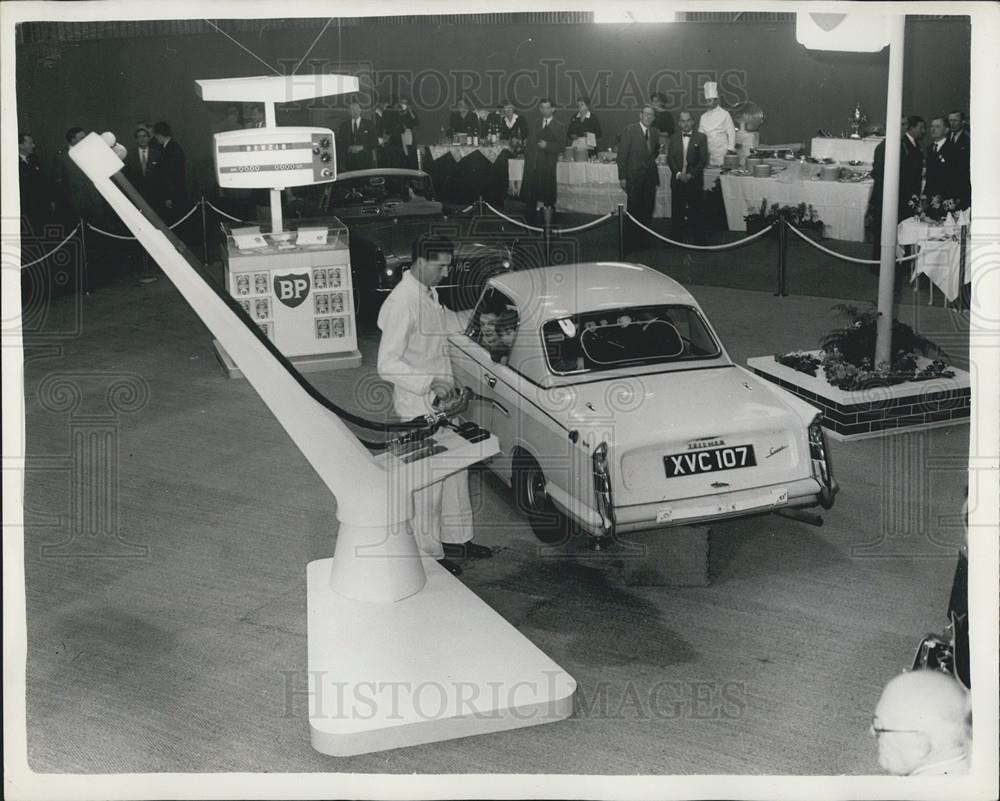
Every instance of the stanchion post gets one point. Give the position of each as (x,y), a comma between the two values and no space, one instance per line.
(83,249)
(621,232)
(204,232)
(964,302)
(547,232)
(480,207)
(782,246)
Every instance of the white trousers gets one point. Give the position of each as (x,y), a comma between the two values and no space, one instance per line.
(442,512)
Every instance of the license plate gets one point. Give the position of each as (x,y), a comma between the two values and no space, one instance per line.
(709,460)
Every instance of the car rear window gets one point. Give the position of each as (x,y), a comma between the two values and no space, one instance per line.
(639,335)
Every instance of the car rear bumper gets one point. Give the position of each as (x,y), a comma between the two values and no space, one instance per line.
(799,494)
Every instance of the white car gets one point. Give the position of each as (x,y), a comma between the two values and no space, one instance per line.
(618,409)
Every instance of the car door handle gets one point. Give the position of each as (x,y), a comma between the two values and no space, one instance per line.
(490,379)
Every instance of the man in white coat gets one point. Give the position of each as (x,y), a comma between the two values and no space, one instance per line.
(717,125)
(413,357)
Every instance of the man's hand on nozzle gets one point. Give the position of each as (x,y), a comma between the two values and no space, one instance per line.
(445,391)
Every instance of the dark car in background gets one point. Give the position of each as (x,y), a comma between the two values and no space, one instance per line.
(385,210)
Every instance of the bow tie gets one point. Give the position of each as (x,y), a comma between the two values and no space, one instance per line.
(686,136)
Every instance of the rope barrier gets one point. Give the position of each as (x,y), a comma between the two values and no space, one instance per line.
(54,250)
(818,246)
(584,227)
(224,214)
(108,233)
(101,231)
(512,220)
(467,209)
(727,246)
(194,208)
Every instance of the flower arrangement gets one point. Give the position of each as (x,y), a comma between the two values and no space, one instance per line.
(847,355)
(934,208)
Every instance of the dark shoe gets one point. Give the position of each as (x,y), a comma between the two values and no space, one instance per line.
(450,566)
(466,550)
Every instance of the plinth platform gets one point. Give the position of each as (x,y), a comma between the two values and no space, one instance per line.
(437,665)
(304,364)
(878,410)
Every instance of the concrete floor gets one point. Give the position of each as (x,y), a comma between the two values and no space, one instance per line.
(166,631)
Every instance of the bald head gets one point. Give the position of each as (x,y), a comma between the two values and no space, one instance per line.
(922,718)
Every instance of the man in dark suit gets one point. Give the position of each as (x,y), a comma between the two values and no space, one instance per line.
(637,173)
(664,120)
(399,145)
(942,162)
(687,156)
(541,153)
(911,164)
(142,167)
(36,196)
(959,142)
(171,181)
(356,141)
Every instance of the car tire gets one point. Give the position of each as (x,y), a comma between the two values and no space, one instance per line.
(548,524)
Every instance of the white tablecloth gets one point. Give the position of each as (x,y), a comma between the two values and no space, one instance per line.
(940,252)
(591,187)
(459,152)
(824,147)
(841,206)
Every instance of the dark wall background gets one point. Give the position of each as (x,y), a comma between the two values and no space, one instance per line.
(110,84)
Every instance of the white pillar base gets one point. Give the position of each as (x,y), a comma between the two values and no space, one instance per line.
(435,666)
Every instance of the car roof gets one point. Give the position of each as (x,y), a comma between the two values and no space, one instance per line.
(555,291)
(381,171)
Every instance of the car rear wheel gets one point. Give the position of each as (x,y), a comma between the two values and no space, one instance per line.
(547,523)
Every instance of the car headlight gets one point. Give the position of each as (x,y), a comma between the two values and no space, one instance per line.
(822,467)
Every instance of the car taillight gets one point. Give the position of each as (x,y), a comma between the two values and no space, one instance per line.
(602,489)
(822,467)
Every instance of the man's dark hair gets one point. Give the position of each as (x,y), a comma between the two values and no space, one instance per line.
(547,100)
(913,121)
(961,114)
(161,129)
(584,99)
(427,246)
(659,96)
(73,132)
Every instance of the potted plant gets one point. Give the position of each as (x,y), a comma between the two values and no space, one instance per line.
(758,218)
(805,218)
(848,354)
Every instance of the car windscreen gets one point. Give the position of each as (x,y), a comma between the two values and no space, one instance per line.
(379,188)
(637,335)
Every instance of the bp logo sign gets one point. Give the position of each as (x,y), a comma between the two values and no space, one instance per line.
(291,289)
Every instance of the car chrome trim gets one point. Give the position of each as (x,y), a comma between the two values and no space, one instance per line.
(602,489)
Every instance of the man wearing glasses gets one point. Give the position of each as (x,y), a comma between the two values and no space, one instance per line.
(923,725)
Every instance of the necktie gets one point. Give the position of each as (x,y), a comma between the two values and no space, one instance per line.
(545,124)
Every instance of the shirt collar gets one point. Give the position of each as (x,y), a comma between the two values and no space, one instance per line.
(643,127)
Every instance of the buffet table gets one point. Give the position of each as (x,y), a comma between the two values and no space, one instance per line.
(840,205)
(940,256)
(592,187)
(826,147)
(463,174)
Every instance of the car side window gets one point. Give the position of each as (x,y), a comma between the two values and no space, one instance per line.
(494,324)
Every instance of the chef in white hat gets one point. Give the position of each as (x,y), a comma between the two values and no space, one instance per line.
(717,125)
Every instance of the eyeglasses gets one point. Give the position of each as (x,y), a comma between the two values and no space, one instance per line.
(875,731)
